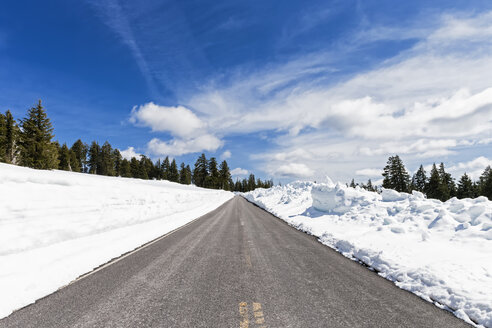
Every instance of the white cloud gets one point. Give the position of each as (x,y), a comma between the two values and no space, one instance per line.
(369,172)
(225,155)
(129,153)
(294,170)
(239,171)
(179,121)
(473,168)
(177,147)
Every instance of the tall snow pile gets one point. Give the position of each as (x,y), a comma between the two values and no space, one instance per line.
(439,251)
(56,226)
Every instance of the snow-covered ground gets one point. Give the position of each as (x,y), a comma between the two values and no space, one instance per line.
(439,251)
(56,225)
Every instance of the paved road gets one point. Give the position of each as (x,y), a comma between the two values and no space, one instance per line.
(237,266)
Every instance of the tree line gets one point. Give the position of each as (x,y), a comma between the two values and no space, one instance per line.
(439,184)
(30,143)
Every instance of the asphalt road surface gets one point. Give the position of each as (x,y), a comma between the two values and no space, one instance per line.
(237,266)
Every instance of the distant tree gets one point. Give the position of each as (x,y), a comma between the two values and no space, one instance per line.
(158,170)
(419,180)
(251,183)
(165,168)
(106,160)
(64,158)
(485,183)
(200,171)
(125,170)
(395,175)
(465,187)
(134,168)
(79,150)
(212,180)
(448,187)
(146,168)
(36,147)
(117,161)
(94,158)
(9,134)
(368,186)
(173,174)
(352,184)
(224,176)
(434,185)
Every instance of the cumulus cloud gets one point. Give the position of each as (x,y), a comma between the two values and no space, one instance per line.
(369,172)
(239,171)
(129,153)
(177,147)
(294,170)
(473,168)
(179,121)
(225,155)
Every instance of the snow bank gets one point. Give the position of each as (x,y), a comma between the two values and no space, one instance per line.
(439,251)
(56,225)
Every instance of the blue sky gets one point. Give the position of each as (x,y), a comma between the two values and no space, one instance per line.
(285,89)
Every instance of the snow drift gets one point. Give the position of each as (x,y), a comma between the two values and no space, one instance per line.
(439,251)
(56,225)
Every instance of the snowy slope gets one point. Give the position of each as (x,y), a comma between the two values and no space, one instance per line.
(56,225)
(439,251)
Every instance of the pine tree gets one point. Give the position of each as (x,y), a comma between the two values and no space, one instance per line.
(395,175)
(448,187)
(64,158)
(36,147)
(106,160)
(11,138)
(3,138)
(368,186)
(251,183)
(419,180)
(188,175)
(224,176)
(117,161)
(352,184)
(146,168)
(125,170)
(485,183)
(134,168)
(79,150)
(165,168)
(433,188)
(173,172)
(213,177)
(465,187)
(200,172)
(94,158)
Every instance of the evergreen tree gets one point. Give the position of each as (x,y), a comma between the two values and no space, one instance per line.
(94,158)
(134,168)
(465,187)
(434,186)
(395,175)
(117,161)
(352,184)
(64,158)
(173,172)
(165,168)
(158,168)
(11,138)
(146,168)
(224,176)
(485,183)
(3,138)
(368,186)
(36,147)
(448,187)
(419,180)
(79,150)
(106,160)
(200,172)
(251,183)
(188,175)
(213,176)
(125,170)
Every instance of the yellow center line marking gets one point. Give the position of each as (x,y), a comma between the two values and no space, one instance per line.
(243,312)
(258,316)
